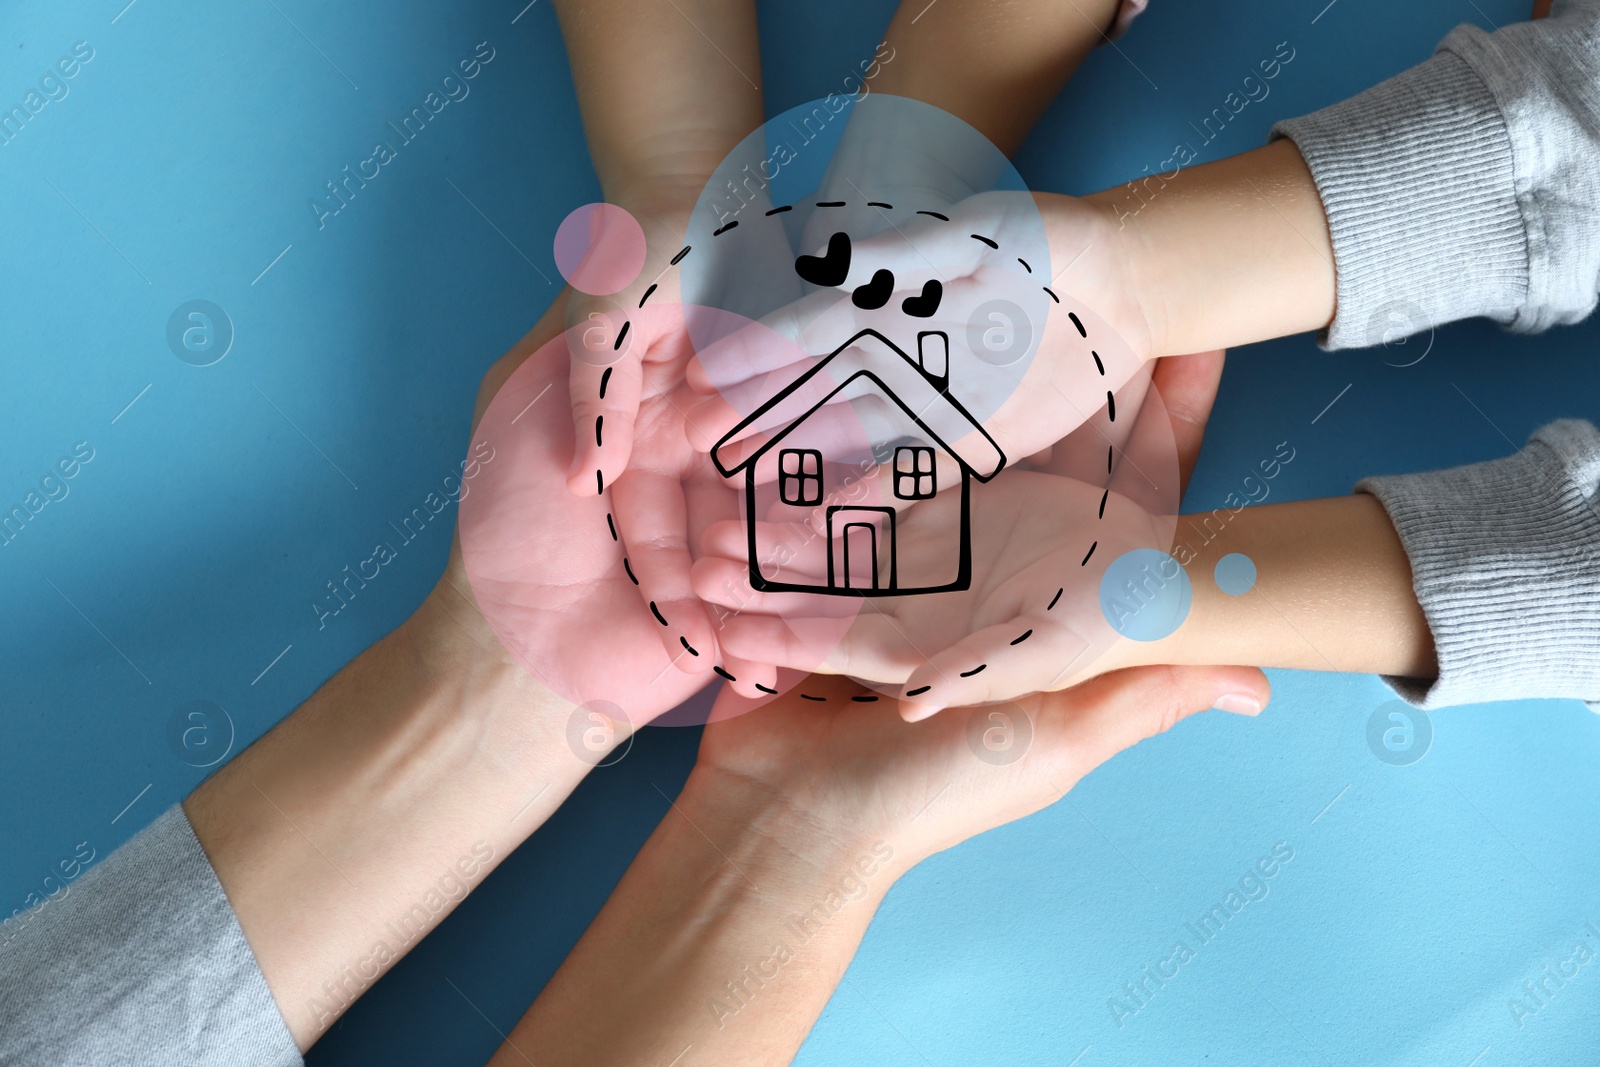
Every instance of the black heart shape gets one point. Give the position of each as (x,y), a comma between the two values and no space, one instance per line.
(874,294)
(923,306)
(827,270)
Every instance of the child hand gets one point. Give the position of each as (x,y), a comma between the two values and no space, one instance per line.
(1029,621)
(1030,356)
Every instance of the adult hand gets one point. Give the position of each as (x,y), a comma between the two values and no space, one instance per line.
(1029,621)
(542,565)
(839,774)
(793,825)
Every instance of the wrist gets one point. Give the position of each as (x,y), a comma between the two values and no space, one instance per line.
(667,182)
(1229,252)
(798,841)
(1103,263)
(404,778)
(484,697)
(1332,592)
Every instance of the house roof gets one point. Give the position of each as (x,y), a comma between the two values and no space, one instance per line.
(935,412)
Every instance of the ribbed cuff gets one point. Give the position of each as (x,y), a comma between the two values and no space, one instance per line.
(1505,561)
(1415,175)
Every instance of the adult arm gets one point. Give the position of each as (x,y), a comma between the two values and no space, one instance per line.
(995,66)
(240,926)
(667,90)
(727,935)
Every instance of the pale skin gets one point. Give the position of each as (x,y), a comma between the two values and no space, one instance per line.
(422,751)
(435,748)
(796,797)
(434,752)
(1227,253)
(657,125)
(728,934)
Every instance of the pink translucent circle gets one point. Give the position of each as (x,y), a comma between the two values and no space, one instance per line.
(599,249)
(547,567)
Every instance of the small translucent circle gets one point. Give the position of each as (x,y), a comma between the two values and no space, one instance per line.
(599,249)
(1236,574)
(1145,595)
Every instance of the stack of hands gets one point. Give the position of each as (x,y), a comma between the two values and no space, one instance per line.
(589,590)
(602,577)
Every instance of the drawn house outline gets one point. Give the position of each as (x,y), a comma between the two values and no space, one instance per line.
(922,393)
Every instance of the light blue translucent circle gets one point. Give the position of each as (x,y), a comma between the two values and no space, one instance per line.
(1236,574)
(1145,595)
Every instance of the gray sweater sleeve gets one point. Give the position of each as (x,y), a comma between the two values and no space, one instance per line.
(140,961)
(1505,561)
(1466,186)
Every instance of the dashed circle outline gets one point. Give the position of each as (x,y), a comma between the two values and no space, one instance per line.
(611,526)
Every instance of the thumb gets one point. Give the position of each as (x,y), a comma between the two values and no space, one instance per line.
(605,382)
(1116,711)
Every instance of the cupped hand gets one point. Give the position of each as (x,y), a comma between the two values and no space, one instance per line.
(535,578)
(850,773)
(1036,296)
(1029,620)
(1033,533)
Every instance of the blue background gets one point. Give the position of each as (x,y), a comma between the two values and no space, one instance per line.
(1419,898)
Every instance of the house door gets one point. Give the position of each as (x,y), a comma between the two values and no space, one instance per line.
(861,554)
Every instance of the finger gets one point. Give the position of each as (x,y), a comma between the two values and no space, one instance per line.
(828,389)
(790,684)
(1116,711)
(603,387)
(935,248)
(729,351)
(1188,387)
(749,678)
(726,583)
(652,523)
(1023,655)
(783,549)
(785,343)
(872,648)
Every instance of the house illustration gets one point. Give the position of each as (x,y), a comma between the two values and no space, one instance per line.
(801,458)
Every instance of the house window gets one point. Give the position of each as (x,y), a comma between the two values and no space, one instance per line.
(913,473)
(933,354)
(800,476)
